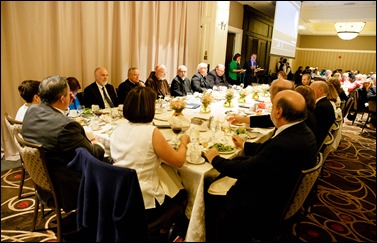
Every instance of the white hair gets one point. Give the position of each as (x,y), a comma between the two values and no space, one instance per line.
(202,65)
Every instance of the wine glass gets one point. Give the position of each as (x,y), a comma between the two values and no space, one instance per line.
(177,130)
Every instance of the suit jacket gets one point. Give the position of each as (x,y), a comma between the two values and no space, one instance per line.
(263,121)
(124,88)
(60,136)
(249,72)
(267,179)
(325,116)
(199,83)
(110,201)
(212,77)
(92,95)
(180,87)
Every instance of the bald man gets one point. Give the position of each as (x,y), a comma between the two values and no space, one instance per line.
(324,115)
(263,121)
(266,179)
(100,92)
(217,76)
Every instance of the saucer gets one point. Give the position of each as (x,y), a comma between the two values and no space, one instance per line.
(201,161)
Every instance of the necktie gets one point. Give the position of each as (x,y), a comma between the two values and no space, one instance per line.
(107,98)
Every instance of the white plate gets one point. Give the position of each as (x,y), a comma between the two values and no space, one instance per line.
(201,161)
(252,134)
(228,152)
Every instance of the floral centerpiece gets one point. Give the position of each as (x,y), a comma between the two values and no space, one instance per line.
(178,104)
(207,99)
(228,98)
(243,94)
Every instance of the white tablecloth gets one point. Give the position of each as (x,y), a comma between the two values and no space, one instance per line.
(191,176)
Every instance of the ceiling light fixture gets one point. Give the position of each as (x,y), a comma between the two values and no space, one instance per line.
(348,31)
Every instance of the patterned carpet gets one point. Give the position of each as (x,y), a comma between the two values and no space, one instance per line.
(343,211)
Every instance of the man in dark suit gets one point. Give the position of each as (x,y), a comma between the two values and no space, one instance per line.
(324,111)
(180,85)
(264,121)
(100,92)
(251,67)
(60,135)
(199,81)
(217,77)
(130,83)
(265,180)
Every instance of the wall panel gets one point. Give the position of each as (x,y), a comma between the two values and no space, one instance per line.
(364,61)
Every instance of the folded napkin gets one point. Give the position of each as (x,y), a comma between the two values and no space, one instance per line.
(89,133)
(192,105)
(221,186)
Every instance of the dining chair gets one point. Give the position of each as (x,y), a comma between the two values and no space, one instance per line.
(371,112)
(114,211)
(335,131)
(15,126)
(347,107)
(34,159)
(299,203)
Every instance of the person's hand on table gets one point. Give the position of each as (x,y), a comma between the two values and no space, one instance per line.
(185,139)
(94,140)
(238,141)
(211,153)
(237,119)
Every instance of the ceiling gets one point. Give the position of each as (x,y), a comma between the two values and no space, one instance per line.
(318,17)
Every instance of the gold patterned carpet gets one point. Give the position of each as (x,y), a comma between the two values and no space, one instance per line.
(344,209)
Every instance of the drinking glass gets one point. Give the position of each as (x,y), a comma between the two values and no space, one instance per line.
(177,130)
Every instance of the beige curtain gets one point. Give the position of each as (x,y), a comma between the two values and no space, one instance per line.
(43,38)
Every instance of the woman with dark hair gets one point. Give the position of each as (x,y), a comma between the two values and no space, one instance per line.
(29,92)
(297,76)
(139,145)
(235,70)
(74,86)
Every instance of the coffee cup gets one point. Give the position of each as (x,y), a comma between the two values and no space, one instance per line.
(95,108)
(73,113)
(195,156)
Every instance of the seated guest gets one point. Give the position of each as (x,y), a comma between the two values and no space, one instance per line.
(363,95)
(100,92)
(217,76)
(371,95)
(264,121)
(141,146)
(309,96)
(334,98)
(180,86)
(158,81)
(74,86)
(282,75)
(60,135)
(133,81)
(29,92)
(305,79)
(266,177)
(337,85)
(324,111)
(199,82)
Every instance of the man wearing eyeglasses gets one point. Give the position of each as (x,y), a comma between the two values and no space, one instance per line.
(131,82)
(180,85)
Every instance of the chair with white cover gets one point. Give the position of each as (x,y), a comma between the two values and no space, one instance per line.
(34,160)
(15,126)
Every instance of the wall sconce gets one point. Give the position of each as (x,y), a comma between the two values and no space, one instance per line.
(350,30)
(222,14)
